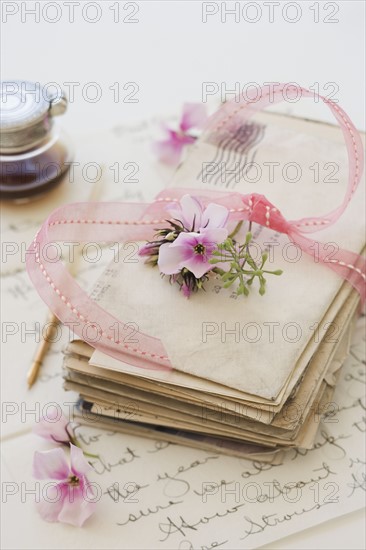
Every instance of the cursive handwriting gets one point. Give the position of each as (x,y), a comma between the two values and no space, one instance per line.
(272,520)
(176,486)
(358,483)
(159,446)
(132,518)
(326,439)
(187,545)
(182,525)
(259,467)
(100,465)
(125,493)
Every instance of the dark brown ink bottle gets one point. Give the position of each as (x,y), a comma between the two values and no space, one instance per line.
(34,152)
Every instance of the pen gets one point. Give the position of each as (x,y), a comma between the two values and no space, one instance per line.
(42,349)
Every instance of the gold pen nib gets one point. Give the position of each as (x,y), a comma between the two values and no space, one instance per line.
(33,373)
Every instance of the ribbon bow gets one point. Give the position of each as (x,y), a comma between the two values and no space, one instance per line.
(111,222)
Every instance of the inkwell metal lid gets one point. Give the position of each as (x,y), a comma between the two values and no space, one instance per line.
(26,114)
(34,153)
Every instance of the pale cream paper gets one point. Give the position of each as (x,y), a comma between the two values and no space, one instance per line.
(246,505)
(106,387)
(301,296)
(344,456)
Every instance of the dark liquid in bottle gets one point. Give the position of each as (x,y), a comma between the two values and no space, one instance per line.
(34,175)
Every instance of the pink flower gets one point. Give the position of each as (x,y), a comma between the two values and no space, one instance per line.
(54,426)
(170,150)
(194,217)
(71,499)
(192,251)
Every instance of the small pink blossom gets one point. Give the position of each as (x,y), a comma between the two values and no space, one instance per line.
(194,217)
(192,251)
(71,499)
(170,150)
(54,426)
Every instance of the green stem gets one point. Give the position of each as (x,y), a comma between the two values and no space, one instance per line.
(241,280)
(219,271)
(222,256)
(75,442)
(247,246)
(91,455)
(239,256)
(236,229)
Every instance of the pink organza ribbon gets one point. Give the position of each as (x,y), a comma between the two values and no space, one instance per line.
(123,222)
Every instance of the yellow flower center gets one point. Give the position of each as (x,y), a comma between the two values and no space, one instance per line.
(73,481)
(200,249)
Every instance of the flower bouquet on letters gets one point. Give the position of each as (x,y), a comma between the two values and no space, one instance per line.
(197,242)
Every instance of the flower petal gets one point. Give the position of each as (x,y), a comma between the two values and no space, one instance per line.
(77,507)
(50,506)
(214,215)
(50,464)
(53,426)
(187,240)
(191,212)
(79,465)
(194,116)
(213,236)
(175,211)
(198,265)
(168,151)
(169,259)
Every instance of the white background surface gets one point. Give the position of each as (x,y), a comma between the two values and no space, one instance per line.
(170,53)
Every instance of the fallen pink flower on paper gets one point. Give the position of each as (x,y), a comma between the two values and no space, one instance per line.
(169,151)
(54,426)
(70,499)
